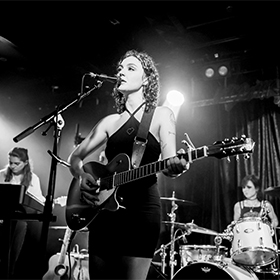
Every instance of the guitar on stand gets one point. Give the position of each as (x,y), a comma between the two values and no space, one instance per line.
(61,264)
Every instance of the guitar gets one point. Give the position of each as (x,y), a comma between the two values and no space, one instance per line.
(59,266)
(118,172)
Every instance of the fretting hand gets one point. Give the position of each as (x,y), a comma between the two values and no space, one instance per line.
(176,165)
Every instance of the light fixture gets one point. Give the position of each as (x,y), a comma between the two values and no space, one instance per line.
(209,72)
(223,70)
(216,70)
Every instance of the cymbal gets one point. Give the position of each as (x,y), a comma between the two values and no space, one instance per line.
(178,200)
(181,225)
(85,229)
(273,191)
(202,230)
(192,227)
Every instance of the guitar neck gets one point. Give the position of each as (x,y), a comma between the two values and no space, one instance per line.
(155,167)
(65,245)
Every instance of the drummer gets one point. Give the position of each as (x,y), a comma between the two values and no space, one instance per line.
(253,205)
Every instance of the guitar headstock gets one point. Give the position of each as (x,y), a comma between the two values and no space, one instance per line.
(232,147)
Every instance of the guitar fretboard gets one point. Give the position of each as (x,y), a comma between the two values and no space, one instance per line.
(151,168)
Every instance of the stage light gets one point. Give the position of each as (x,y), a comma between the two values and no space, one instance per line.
(175,98)
(223,70)
(209,72)
(216,70)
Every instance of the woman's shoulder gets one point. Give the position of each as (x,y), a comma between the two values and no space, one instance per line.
(3,171)
(34,176)
(267,203)
(163,109)
(108,120)
(237,204)
(111,117)
(163,112)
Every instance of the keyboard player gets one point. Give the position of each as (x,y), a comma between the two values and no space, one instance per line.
(18,171)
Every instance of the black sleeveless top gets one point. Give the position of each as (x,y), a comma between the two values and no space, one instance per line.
(122,142)
(249,211)
(133,231)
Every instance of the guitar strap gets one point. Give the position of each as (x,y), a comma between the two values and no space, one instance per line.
(140,141)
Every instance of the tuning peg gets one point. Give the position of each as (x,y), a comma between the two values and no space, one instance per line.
(188,142)
(228,159)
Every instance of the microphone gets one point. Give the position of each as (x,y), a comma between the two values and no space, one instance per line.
(104,77)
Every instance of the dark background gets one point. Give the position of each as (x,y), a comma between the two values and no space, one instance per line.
(47,47)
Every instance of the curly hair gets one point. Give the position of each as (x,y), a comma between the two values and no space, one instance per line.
(150,90)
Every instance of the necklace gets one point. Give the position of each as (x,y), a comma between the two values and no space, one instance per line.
(253,203)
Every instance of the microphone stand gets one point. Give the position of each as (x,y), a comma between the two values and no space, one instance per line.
(52,118)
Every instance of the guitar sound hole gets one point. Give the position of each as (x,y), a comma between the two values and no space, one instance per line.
(60,270)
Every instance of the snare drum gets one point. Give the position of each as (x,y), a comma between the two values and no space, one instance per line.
(225,270)
(196,253)
(252,242)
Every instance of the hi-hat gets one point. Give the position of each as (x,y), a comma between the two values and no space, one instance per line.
(178,200)
(273,191)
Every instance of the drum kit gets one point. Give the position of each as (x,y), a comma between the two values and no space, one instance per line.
(253,254)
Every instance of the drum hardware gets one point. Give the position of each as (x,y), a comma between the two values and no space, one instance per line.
(172,216)
(163,248)
(163,256)
(270,269)
(218,241)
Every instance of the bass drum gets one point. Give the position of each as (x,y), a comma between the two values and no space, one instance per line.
(225,270)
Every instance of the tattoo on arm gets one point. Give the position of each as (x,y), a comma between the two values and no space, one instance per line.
(163,146)
(172,119)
